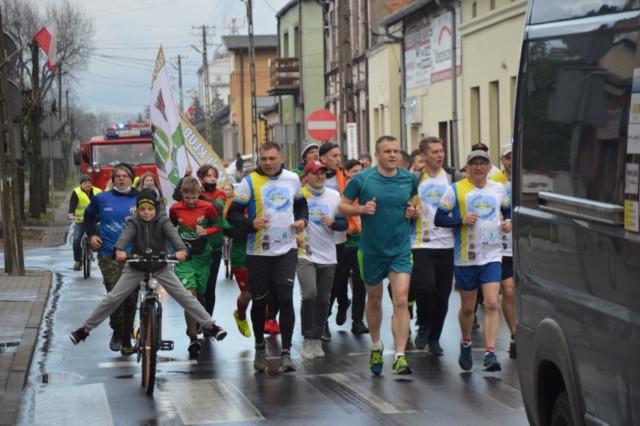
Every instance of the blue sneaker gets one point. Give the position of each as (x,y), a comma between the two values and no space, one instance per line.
(465,360)
(491,362)
(376,361)
(434,348)
(422,338)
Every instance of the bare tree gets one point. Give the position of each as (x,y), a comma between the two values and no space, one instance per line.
(75,30)
(75,39)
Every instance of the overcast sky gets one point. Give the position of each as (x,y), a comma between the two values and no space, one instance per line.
(128,34)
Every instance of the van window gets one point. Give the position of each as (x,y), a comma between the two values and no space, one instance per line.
(576,94)
(558,10)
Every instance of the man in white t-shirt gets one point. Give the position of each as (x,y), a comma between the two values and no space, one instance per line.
(317,256)
(432,249)
(277,211)
(473,207)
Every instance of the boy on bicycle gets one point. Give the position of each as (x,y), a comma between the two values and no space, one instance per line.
(148,234)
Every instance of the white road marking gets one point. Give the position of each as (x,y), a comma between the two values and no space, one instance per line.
(210,401)
(52,406)
(118,364)
(358,396)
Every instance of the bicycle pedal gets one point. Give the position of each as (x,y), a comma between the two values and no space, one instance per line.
(166,345)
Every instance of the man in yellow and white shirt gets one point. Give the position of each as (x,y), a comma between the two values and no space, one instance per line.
(432,248)
(473,207)
(276,213)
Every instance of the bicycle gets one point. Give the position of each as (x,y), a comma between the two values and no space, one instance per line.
(87,256)
(149,334)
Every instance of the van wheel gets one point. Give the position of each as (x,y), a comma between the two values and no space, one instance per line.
(561,415)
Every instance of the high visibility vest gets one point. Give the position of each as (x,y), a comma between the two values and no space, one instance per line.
(83,202)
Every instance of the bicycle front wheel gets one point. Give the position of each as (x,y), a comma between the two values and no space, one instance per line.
(149,348)
(86,258)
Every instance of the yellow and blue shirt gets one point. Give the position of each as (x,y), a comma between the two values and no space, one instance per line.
(481,243)
(424,232)
(272,197)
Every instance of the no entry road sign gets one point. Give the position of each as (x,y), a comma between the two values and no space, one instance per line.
(322,125)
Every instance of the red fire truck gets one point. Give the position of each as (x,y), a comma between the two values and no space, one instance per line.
(124,143)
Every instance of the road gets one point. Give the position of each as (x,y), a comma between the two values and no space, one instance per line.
(89,384)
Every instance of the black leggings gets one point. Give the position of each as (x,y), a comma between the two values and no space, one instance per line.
(266,274)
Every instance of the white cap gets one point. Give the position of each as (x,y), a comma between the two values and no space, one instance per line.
(506,149)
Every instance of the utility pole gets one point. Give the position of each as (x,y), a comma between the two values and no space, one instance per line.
(205,64)
(180,83)
(207,101)
(345,69)
(9,195)
(252,77)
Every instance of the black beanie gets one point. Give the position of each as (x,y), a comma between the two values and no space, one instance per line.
(127,167)
(326,147)
(146,196)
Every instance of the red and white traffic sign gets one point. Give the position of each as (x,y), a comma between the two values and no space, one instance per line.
(322,125)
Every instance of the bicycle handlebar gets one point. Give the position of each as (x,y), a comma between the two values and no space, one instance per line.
(144,258)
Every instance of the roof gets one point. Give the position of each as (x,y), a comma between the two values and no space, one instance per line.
(286,8)
(404,13)
(241,42)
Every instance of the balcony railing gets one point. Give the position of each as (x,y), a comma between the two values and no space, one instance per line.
(285,76)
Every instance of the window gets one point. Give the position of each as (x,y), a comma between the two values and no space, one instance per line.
(474,116)
(494,116)
(576,95)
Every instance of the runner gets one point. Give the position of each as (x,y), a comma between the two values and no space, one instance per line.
(472,207)
(317,256)
(277,210)
(507,285)
(384,195)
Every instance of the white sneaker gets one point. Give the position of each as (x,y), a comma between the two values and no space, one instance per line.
(317,348)
(307,349)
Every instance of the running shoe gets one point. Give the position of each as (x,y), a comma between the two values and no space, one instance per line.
(286,365)
(217,332)
(260,361)
(491,362)
(422,338)
(307,348)
(243,324)
(465,360)
(434,348)
(318,352)
(79,335)
(358,327)
(401,367)
(341,316)
(271,326)
(376,361)
(194,347)
(326,334)
(115,344)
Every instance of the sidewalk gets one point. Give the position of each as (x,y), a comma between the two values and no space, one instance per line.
(23,301)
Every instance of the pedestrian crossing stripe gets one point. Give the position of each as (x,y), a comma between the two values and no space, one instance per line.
(210,401)
(161,362)
(342,389)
